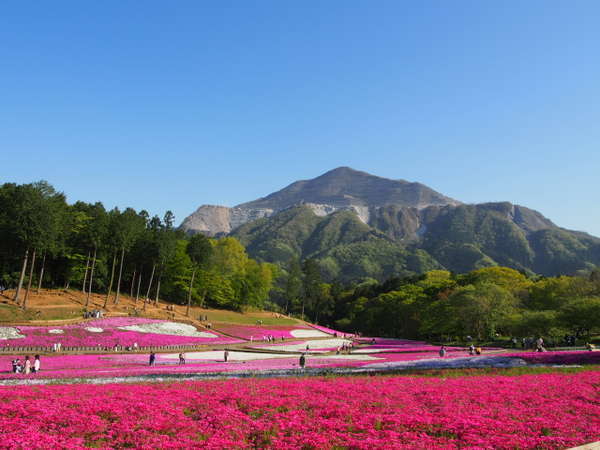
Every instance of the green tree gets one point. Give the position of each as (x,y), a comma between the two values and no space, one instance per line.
(293,284)
(311,284)
(199,250)
(480,309)
(128,226)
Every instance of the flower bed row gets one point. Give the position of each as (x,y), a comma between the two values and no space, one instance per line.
(543,411)
(77,366)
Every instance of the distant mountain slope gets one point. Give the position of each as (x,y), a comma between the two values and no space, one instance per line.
(358,225)
(345,247)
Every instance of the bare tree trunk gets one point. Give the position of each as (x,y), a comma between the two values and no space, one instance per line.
(157,291)
(112,276)
(132,283)
(160,273)
(89,292)
(120,273)
(149,286)
(30,278)
(87,266)
(22,277)
(41,273)
(137,294)
(189,302)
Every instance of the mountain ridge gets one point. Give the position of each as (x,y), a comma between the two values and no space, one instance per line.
(340,188)
(359,225)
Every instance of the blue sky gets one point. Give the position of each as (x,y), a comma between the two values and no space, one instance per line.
(169,105)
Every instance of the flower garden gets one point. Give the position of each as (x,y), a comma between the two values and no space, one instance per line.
(500,412)
(122,331)
(549,410)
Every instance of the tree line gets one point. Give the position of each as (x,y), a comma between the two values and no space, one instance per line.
(46,242)
(444,306)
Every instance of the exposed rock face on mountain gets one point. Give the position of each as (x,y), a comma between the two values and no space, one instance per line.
(339,189)
(357,225)
(215,220)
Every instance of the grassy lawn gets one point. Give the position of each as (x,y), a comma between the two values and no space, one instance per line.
(247,318)
(12,313)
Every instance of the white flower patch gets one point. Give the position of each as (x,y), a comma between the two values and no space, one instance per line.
(10,333)
(169,328)
(56,331)
(308,333)
(94,329)
(323,343)
(233,356)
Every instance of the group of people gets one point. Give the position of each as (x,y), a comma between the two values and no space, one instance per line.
(27,366)
(345,348)
(95,314)
(474,350)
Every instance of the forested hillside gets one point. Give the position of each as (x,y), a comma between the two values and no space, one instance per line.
(440,305)
(408,241)
(44,241)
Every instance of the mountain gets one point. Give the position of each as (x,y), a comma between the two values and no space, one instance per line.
(358,225)
(341,188)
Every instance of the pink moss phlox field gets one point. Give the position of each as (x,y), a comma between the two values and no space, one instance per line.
(493,412)
(330,330)
(400,345)
(257,332)
(123,365)
(565,357)
(76,335)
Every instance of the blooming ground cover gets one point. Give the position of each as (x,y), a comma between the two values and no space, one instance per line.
(111,331)
(316,345)
(124,365)
(259,332)
(541,411)
(376,345)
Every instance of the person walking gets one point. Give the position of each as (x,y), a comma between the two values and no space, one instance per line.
(539,345)
(152,358)
(27,365)
(442,351)
(36,364)
(302,361)
(181,359)
(225,355)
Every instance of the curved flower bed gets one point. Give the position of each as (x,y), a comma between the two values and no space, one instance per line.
(122,365)
(566,357)
(259,332)
(123,331)
(331,331)
(322,345)
(375,345)
(543,411)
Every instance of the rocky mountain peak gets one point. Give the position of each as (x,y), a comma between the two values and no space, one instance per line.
(338,189)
